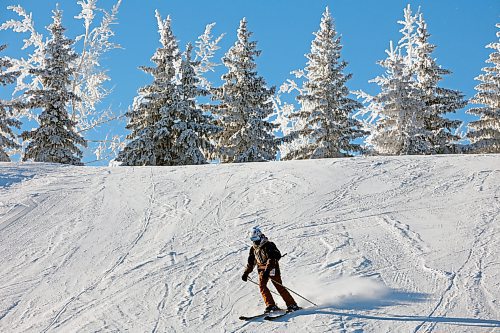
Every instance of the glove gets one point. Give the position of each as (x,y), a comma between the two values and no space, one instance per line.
(265,274)
(244,277)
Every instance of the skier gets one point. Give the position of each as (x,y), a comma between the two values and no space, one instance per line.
(266,255)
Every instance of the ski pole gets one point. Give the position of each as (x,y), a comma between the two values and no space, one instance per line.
(286,289)
(258,284)
(290,290)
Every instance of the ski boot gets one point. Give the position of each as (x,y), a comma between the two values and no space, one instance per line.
(271,308)
(293,307)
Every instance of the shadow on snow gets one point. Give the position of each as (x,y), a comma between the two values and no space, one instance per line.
(393,298)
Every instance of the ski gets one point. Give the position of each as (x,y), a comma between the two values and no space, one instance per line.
(271,318)
(281,315)
(265,314)
(253,317)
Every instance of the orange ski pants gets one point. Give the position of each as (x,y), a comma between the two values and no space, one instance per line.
(266,293)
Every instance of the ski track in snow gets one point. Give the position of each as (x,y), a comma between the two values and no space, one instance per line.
(145,249)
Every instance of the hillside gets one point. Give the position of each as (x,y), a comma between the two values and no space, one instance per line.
(382,244)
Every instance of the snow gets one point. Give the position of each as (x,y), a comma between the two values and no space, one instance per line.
(382,244)
(12,175)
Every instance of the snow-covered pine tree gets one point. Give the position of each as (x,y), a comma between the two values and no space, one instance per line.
(245,105)
(89,79)
(397,109)
(189,128)
(325,106)
(7,121)
(55,140)
(484,134)
(428,101)
(438,101)
(150,119)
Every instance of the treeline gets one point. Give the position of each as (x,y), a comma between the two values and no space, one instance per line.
(171,122)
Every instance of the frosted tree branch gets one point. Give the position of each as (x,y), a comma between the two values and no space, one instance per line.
(106,149)
(206,46)
(90,79)
(25,80)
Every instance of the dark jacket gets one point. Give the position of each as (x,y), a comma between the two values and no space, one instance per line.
(265,255)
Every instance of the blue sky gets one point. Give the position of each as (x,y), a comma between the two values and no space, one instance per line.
(283,29)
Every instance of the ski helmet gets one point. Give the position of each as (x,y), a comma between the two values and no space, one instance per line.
(255,234)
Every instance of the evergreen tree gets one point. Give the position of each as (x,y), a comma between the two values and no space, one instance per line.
(325,105)
(55,140)
(399,129)
(89,79)
(193,130)
(245,105)
(150,118)
(484,133)
(438,101)
(7,137)
(168,127)
(424,129)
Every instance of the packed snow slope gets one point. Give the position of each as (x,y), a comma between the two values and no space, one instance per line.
(381,244)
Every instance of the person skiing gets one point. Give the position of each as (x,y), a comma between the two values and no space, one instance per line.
(265,255)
